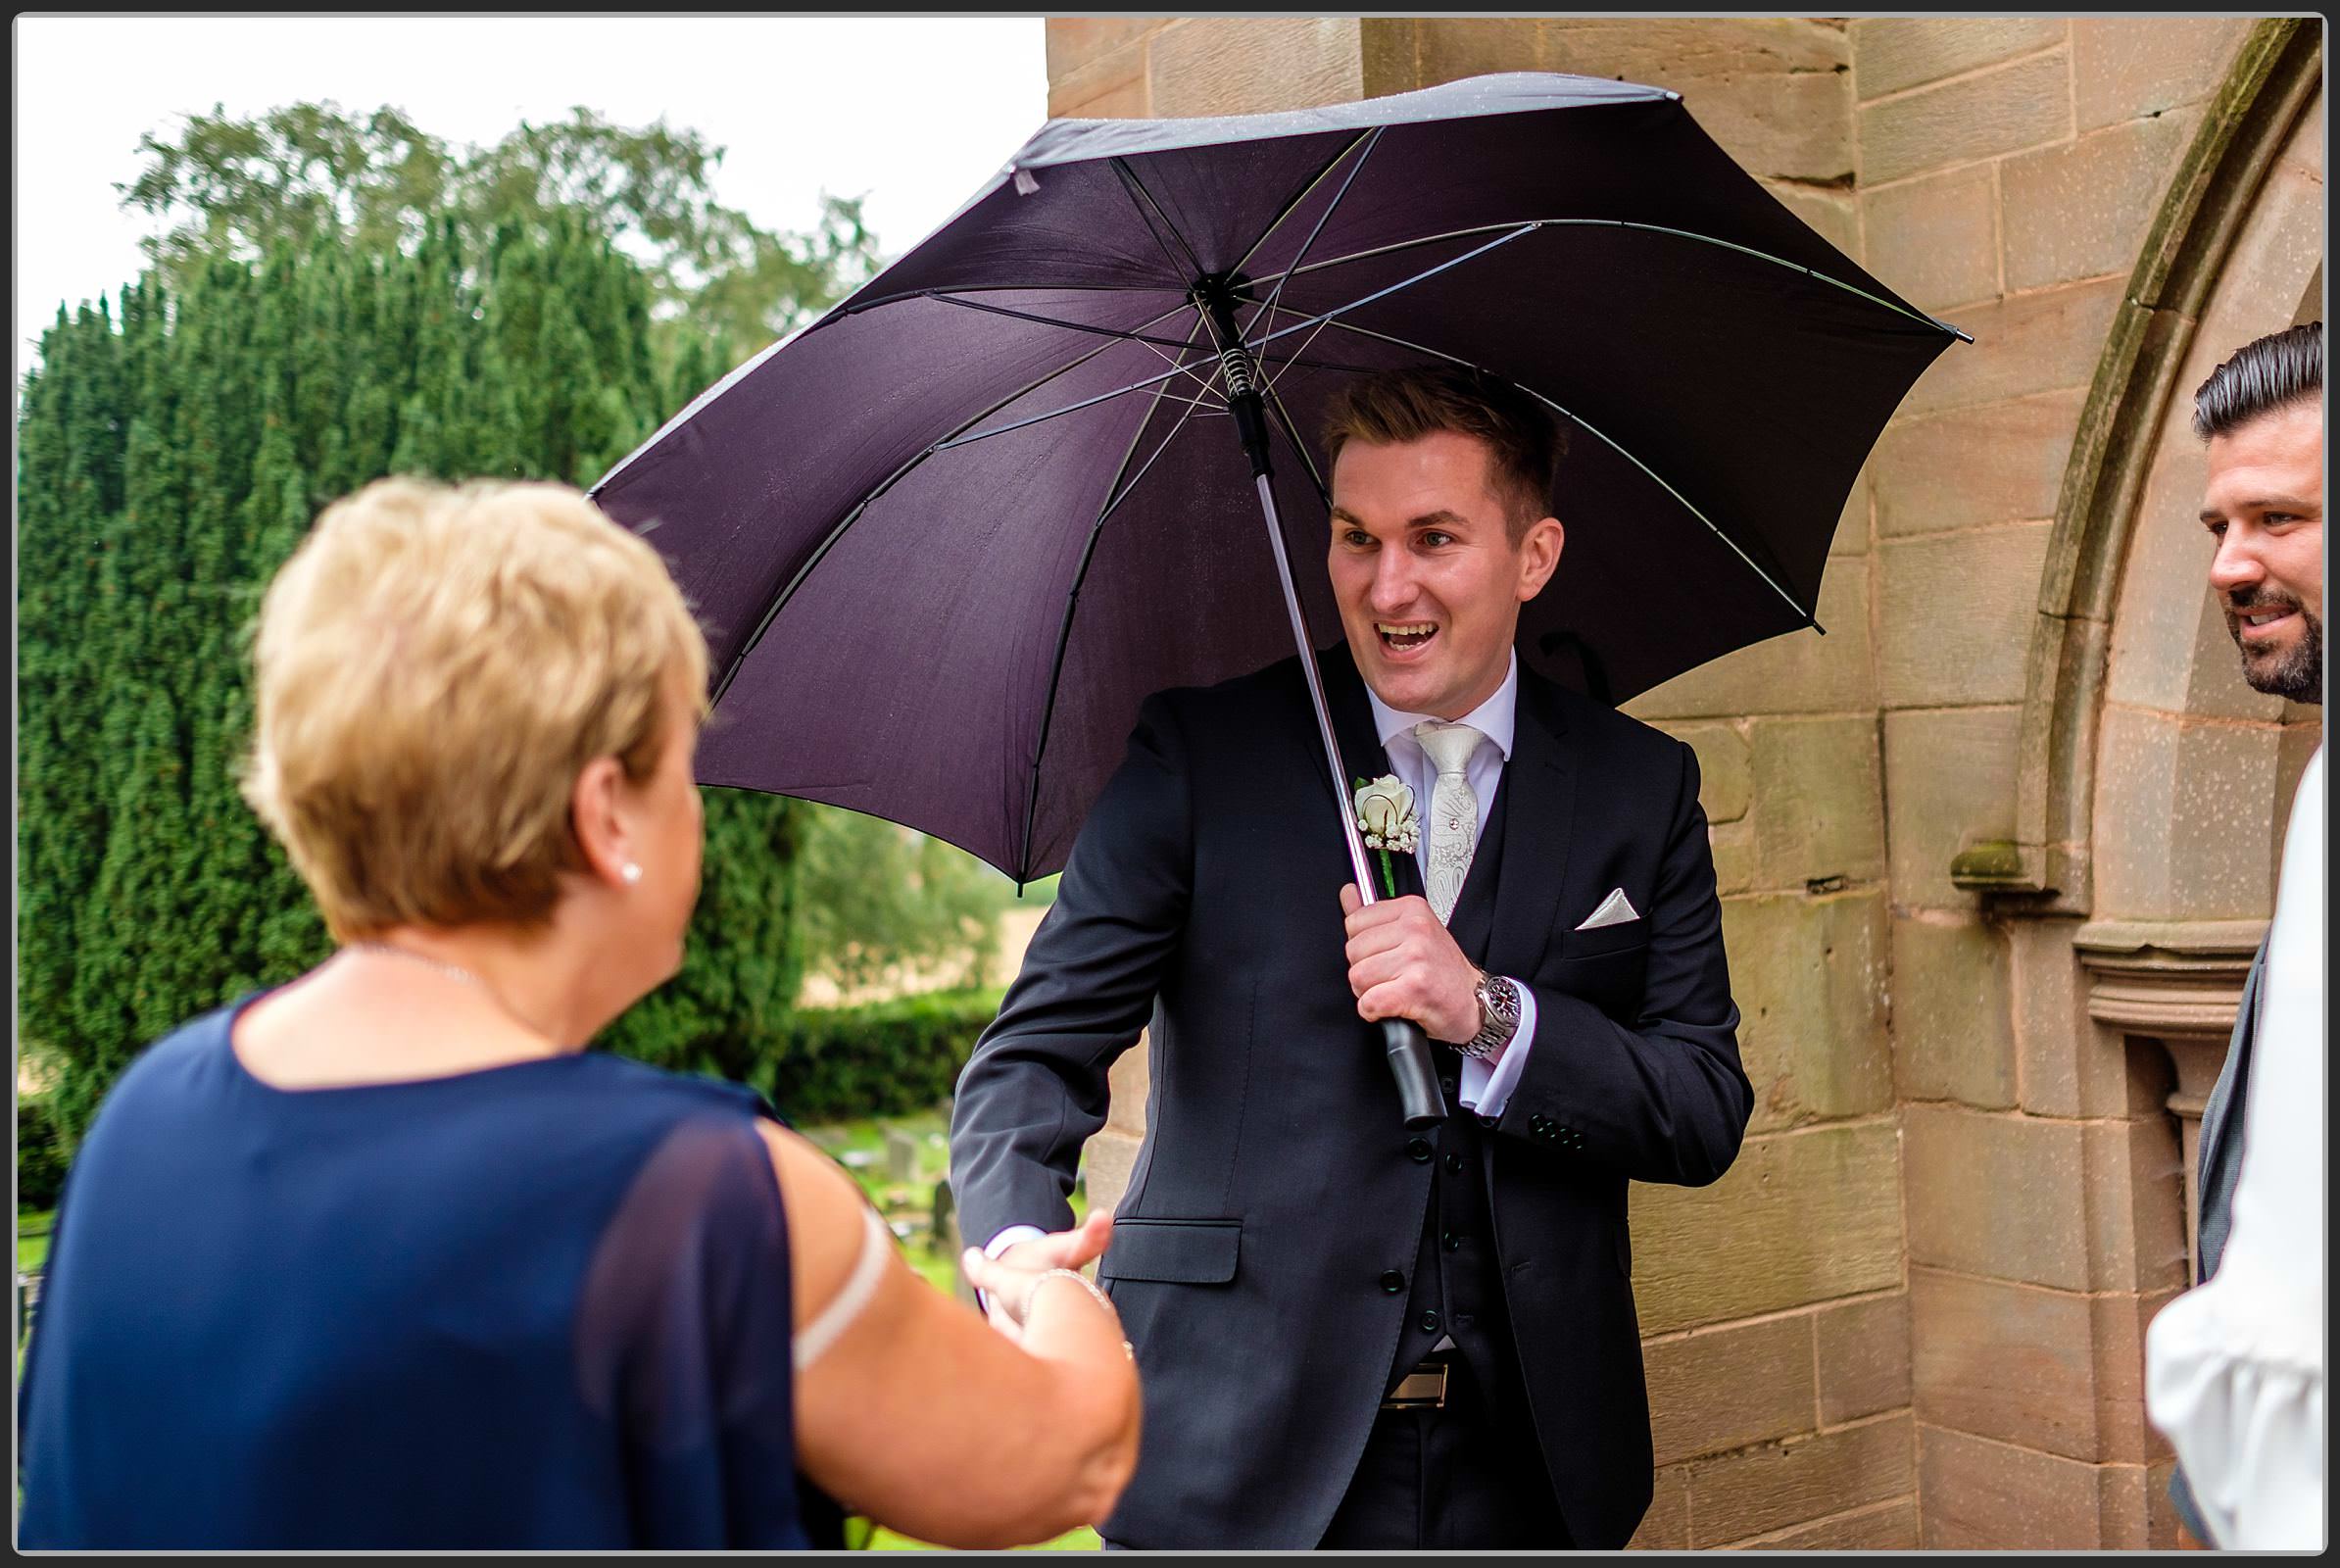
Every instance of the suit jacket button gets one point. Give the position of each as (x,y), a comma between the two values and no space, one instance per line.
(1418,1150)
(1430,1322)
(1455,1164)
(1393,1281)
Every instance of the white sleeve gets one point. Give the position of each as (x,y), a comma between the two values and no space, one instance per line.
(2234,1370)
(1486,1090)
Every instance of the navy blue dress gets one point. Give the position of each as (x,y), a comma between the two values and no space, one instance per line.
(541,1305)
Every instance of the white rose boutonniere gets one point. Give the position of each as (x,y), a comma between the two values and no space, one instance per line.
(1385,816)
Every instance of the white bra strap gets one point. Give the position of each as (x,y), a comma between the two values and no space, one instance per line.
(827,1325)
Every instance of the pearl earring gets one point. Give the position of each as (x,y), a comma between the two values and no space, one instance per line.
(630,872)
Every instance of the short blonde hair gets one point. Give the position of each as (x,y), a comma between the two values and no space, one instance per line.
(432,669)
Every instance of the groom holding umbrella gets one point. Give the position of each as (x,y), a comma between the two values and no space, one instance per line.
(1350,1336)
(977,554)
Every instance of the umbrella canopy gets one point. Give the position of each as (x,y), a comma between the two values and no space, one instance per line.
(948,538)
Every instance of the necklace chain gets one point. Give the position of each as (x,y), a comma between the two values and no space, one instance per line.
(440,965)
(456,971)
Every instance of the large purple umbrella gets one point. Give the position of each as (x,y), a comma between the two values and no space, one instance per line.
(949,537)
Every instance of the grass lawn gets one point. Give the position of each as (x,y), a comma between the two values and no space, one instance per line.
(33,1238)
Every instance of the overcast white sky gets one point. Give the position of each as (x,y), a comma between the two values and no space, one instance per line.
(917,111)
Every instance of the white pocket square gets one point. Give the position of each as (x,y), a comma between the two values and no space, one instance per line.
(1615,910)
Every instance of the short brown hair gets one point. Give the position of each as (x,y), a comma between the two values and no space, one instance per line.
(1524,445)
(433,666)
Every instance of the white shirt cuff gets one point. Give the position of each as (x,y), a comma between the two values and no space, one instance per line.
(1486,1090)
(1001,1243)
(1010,1237)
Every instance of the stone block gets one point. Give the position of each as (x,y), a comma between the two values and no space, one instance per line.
(1953,1013)
(1795,672)
(2182,817)
(2081,210)
(1833,215)
(1864,1356)
(1450,48)
(1127,1082)
(1733,847)
(2066,1064)
(2124,68)
(1076,41)
(1723,770)
(2117,1341)
(1892,54)
(1106,1160)
(1808,976)
(1851,537)
(1799,1219)
(1888,1527)
(1980,1494)
(1949,785)
(2045,341)
(1819,800)
(1715,1390)
(1120,98)
(1995,1196)
(1253,65)
(1770,90)
(2135,1201)
(1955,614)
(1779,1485)
(1968,467)
(1935,241)
(1666,1527)
(2026,103)
(2011,1362)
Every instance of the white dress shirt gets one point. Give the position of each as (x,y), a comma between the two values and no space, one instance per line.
(2234,1369)
(1487,1086)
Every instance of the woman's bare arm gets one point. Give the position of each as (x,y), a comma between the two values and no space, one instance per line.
(929,1421)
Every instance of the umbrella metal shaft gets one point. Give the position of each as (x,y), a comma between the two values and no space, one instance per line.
(1316,691)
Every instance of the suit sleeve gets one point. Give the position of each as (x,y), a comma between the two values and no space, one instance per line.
(1665,1100)
(1035,1088)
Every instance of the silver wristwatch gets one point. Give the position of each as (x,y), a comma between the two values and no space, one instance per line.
(1498,1016)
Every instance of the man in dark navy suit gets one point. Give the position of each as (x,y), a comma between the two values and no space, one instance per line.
(1351,1337)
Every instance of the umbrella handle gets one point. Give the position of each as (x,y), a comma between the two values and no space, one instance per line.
(1418,1093)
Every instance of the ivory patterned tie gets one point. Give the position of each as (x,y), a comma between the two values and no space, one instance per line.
(1452,830)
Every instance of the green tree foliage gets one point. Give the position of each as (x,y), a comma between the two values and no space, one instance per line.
(879,898)
(172,459)
(338,299)
(235,187)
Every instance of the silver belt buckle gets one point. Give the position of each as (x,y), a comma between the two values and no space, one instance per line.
(1423,1389)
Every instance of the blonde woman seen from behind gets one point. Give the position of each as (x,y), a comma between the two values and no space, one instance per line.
(385,1257)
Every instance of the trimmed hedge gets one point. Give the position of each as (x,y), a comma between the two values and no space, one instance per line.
(40,1154)
(884,1060)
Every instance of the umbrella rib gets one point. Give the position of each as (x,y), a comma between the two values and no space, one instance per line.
(1371,141)
(739,659)
(1299,325)
(1291,434)
(1116,493)
(1806,615)
(1137,188)
(1303,194)
(1646,229)
(1125,335)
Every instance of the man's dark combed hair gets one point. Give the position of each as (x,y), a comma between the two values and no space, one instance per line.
(1396,406)
(2265,375)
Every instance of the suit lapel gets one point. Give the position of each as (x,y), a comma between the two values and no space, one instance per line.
(1538,803)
